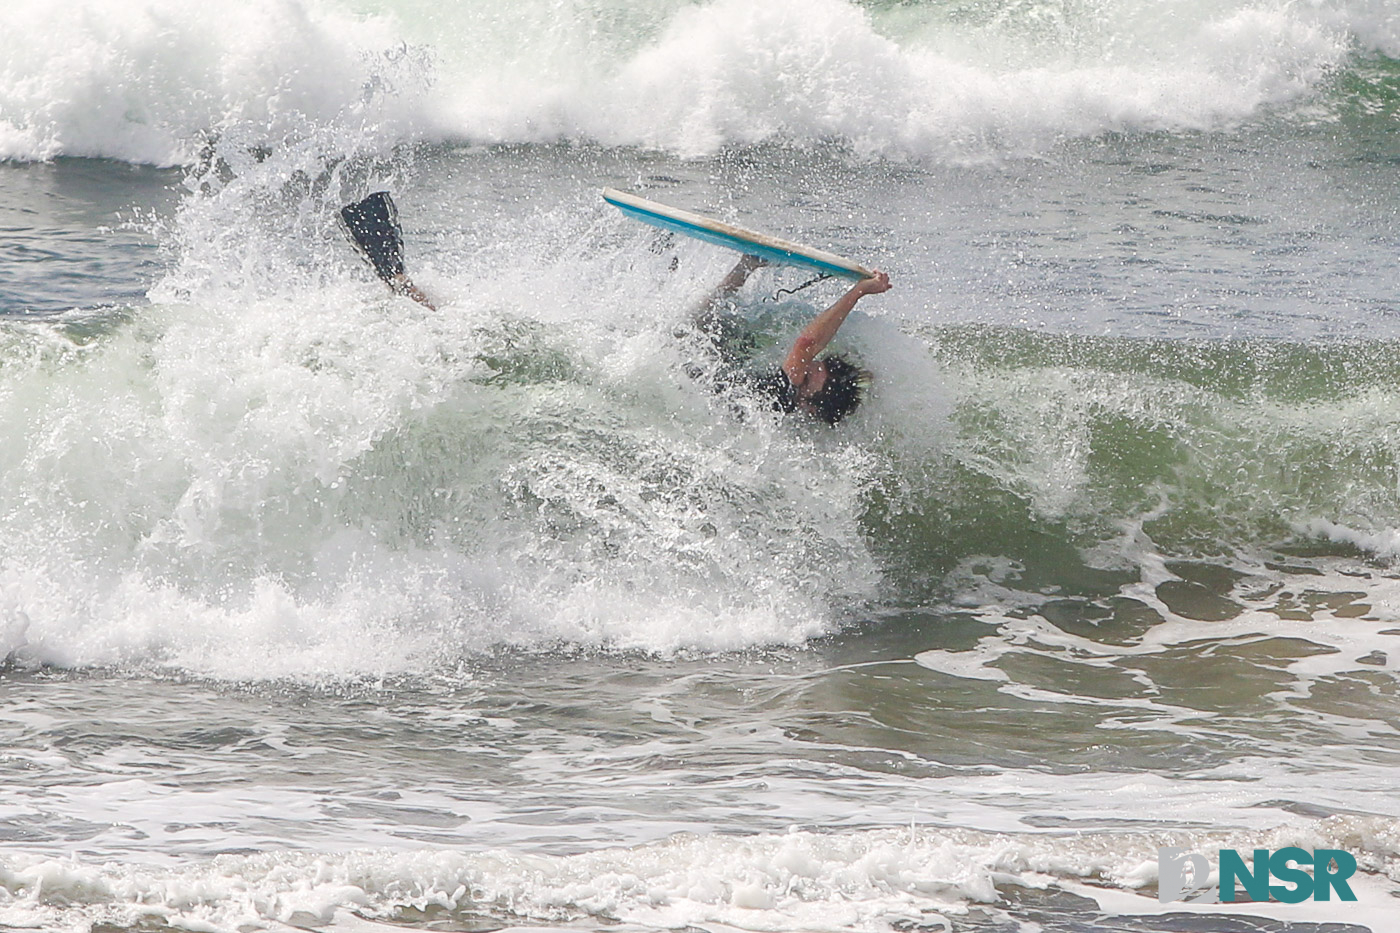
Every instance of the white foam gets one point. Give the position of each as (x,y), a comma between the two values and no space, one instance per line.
(846,881)
(801,71)
(149,80)
(146,80)
(1384,543)
(216,491)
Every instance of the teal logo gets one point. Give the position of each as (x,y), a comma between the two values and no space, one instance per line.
(1185,876)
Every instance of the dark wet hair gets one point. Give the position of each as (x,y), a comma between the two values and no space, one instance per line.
(842,392)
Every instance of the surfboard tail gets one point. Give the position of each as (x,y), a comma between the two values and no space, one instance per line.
(373,225)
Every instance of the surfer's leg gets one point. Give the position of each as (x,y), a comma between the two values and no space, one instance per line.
(405,286)
(373,226)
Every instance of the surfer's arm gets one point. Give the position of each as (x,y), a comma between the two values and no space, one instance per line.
(739,274)
(729,285)
(816,335)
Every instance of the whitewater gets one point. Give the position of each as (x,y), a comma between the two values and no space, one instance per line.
(323,610)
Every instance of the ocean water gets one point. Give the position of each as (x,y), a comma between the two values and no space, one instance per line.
(322,611)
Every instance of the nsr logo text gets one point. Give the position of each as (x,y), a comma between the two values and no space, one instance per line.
(1284,865)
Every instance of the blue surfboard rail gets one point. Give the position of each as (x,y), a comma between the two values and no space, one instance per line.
(731,236)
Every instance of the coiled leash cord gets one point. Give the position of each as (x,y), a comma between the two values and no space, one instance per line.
(782,292)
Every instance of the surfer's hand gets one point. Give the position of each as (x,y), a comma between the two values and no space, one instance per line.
(877,283)
(736,278)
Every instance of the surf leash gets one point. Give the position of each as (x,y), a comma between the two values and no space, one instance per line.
(784,292)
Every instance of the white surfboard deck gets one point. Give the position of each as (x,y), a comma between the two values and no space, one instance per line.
(720,233)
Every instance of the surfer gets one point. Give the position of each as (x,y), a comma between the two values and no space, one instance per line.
(373,225)
(826,387)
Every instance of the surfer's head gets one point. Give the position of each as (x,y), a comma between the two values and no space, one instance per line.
(839,393)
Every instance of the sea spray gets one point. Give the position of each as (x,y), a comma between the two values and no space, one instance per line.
(817,881)
(150,81)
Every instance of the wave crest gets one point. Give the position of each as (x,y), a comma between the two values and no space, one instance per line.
(150,80)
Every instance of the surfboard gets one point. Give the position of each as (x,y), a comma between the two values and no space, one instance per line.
(720,233)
